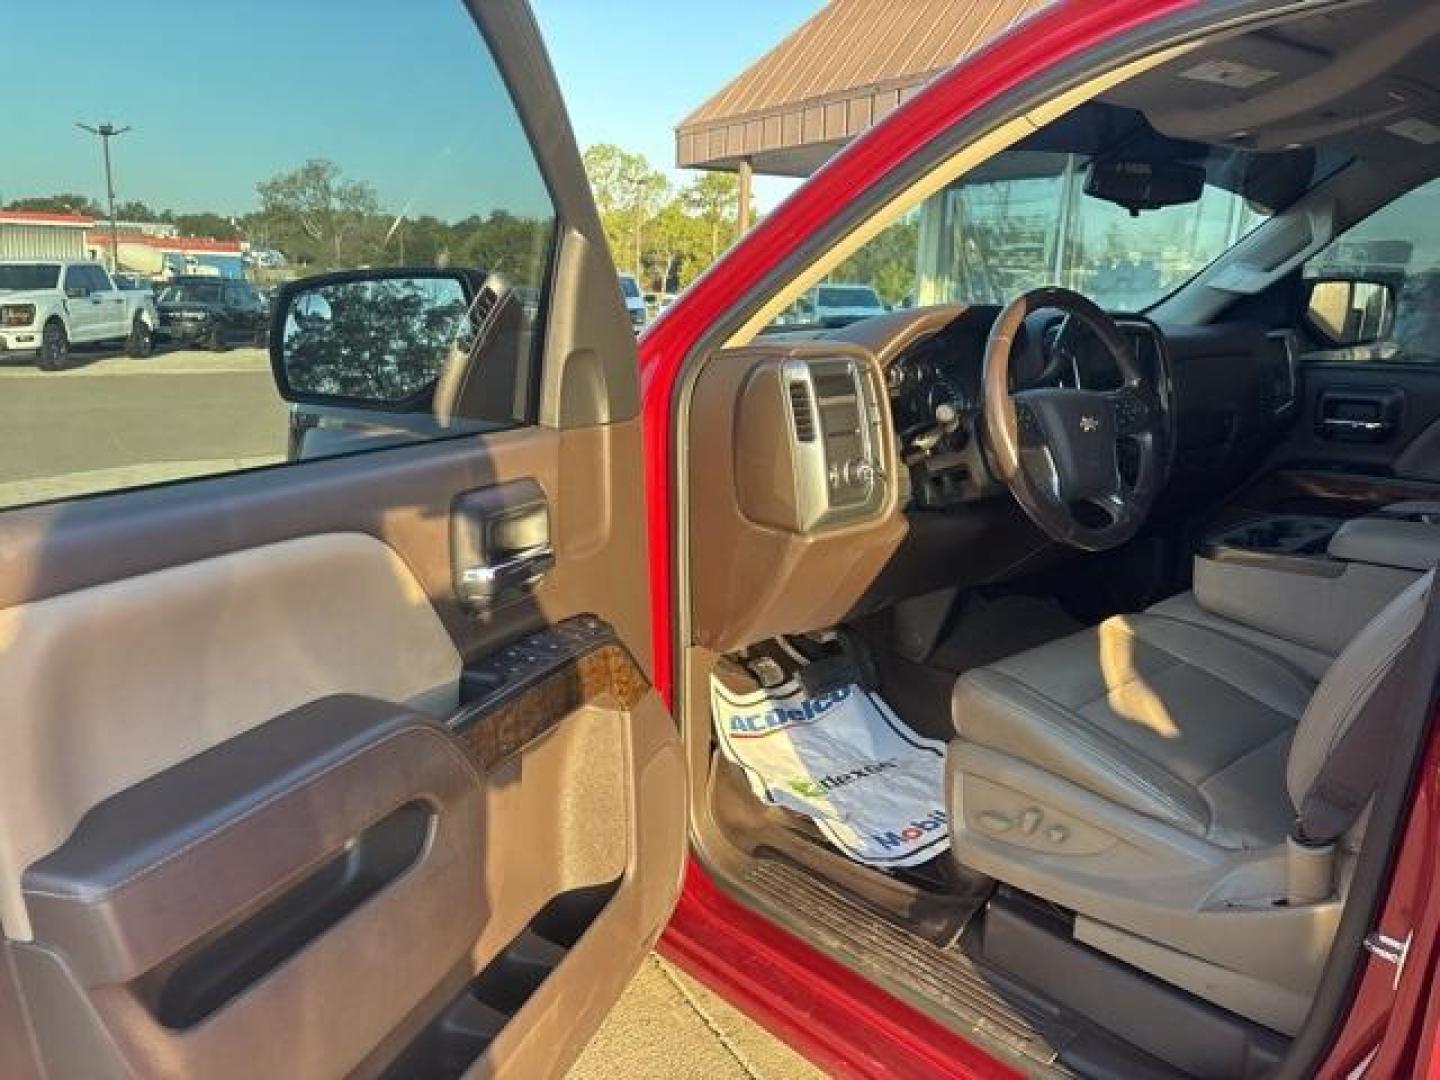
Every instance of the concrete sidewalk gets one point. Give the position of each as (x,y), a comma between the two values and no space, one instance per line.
(668,1025)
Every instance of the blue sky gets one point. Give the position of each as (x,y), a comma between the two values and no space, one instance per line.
(631,74)
(222,95)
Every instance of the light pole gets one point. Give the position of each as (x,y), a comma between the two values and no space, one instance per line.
(106,132)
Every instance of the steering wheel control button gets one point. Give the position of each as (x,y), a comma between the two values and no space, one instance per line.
(1130,413)
(1030,819)
(1029,425)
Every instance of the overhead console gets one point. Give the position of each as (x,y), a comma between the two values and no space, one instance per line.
(793,502)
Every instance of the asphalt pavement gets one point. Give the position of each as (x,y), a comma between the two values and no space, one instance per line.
(109,422)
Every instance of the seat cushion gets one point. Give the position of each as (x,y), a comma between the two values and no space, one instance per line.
(1174,720)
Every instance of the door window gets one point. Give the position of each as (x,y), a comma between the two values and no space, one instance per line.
(77,281)
(1378,284)
(385,141)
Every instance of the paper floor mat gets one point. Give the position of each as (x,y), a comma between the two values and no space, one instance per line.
(844,759)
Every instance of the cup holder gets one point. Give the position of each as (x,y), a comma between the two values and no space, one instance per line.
(1289,534)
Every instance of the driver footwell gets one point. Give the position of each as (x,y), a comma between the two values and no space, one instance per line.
(811,737)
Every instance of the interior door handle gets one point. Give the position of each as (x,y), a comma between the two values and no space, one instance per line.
(482,585)
(499,541)
(1333,423)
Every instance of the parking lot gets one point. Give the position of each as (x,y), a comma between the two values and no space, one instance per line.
(113,421)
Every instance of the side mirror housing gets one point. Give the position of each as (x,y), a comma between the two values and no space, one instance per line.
(1343,312)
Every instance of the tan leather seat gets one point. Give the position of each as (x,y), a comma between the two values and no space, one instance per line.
(1175,721)
(1145,773)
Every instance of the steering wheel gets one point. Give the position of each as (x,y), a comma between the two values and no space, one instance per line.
(1058,449)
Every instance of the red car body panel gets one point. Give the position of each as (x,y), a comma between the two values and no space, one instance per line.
(1402,1018)
(825,1010)
(822,1007)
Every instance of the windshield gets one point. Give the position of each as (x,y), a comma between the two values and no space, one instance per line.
(1026,221)
(629,289)
(200,293)
(1023,220)
(17,277)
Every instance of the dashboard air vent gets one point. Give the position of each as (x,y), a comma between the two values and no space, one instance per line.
(802,411)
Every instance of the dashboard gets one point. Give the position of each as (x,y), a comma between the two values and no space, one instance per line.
(934,389)
(839,472)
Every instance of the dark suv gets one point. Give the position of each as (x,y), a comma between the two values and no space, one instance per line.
(213,312)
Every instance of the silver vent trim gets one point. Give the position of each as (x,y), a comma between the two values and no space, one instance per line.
(802,411)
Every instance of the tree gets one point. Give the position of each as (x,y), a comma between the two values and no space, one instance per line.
(132,210)
(503,243)
(672,241)
(379,341)
(65,203)
(629,193)
(206,223)
(714,197)
(315,213)
(888,262)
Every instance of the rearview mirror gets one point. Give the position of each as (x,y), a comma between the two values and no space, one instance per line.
(1346,311)
(376,339)
(1144,185)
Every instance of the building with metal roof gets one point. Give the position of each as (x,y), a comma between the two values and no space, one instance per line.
(841,71)
(34,234)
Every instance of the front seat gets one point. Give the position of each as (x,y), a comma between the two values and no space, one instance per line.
(1145,774)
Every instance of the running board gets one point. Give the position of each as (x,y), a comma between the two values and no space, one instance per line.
(1042,1038)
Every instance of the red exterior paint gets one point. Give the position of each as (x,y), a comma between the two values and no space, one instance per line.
(1405,1017)
(820,1006)
(830,1014)
(178,244)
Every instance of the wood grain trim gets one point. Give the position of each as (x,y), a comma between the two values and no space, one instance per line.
(606,676)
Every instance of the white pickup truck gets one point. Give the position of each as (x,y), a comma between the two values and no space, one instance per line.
(46,306)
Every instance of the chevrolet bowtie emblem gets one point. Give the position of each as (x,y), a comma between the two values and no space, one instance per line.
(1089,423)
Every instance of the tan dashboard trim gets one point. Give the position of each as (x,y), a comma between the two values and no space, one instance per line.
(750,580)
(887,337)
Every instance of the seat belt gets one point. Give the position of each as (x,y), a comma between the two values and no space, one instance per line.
(1352,771)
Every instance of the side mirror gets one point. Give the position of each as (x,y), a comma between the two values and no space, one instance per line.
(77,292)
(371,339)
(1348,311)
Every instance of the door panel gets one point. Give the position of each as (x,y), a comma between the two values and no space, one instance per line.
(160,667)
(83,310)
(1378,419)
(281,794)
(153,632)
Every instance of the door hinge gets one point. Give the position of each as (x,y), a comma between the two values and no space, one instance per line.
(1389,949)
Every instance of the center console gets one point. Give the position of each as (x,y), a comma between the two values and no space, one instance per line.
(1315,581)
